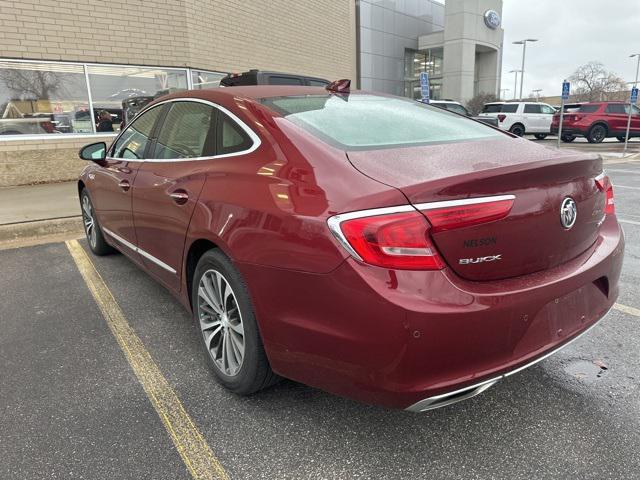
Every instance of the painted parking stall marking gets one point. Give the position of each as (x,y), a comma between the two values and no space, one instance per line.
(191,445)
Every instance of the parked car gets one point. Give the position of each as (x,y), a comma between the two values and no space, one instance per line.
(521,118)
(259,77)
(460,109)
(598,120)
(364,244)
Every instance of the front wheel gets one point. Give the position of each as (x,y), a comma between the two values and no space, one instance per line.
(597,134)
(540,136)
(225,317)
(92,230)
(620,138)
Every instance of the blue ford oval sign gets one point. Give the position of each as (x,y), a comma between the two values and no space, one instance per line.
(492,19)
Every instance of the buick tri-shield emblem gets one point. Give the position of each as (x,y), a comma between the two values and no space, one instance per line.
(568,213)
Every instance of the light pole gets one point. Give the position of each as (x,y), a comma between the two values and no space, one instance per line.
(524,52)
(635,84)
(537,93)
(515,83)
(503,93)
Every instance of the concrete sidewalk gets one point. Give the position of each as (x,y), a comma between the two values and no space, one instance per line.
(35,213)
(38,202)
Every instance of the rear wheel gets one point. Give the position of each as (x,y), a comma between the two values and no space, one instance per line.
(597,133)
(517,129)
(92,230)
(568,138)
(620,138)
(225,317)
(540,136)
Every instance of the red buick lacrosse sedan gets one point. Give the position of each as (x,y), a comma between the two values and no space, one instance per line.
(368,245)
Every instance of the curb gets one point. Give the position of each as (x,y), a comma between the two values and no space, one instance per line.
(15,232)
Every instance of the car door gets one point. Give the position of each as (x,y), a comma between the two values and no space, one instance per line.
(111,188)
(635,122)
(616,116)
(532,118)
(167,185)
(546,117)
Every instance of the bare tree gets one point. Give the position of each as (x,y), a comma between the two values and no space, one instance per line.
(476,103)
(31,84)
(593,83)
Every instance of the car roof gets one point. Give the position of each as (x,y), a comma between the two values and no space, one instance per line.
(248,91)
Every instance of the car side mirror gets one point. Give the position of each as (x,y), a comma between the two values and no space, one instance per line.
(94,152)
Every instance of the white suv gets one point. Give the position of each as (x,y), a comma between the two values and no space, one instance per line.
(521,117)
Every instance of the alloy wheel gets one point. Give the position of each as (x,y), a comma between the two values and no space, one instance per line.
(221,322)
(89,221)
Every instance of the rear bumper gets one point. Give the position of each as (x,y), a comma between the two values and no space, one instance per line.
(568,131)
(421,340)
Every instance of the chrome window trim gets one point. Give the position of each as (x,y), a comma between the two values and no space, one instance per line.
(438,401)
(335,221)
(255,139)
(136,249)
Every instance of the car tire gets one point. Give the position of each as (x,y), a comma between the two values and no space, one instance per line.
(568,138)
(620,138)
(517,129)
(227,325)
(540,136)
(92,229)
(597,133)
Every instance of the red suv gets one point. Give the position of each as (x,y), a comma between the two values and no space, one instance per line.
(597,121)
(365,244)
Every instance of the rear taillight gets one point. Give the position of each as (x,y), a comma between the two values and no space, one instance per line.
(400,237)
(603,182)
(501,117)
(397,239)
(466,213)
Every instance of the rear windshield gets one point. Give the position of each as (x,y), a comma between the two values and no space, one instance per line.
(361,122)
(589,108)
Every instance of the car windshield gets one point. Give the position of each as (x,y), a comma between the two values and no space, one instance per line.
(360,122)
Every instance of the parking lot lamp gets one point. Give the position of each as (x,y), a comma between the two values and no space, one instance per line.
(635,84)
(515,83)
(524,52)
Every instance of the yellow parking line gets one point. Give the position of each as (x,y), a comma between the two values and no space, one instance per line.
(630,310)
(189,442)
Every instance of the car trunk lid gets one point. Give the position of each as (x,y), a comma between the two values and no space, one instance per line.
(531,237)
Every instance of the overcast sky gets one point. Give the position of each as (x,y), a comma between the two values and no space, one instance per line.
(570,33)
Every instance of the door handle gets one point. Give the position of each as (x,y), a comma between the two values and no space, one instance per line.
(179,196)
(124,185)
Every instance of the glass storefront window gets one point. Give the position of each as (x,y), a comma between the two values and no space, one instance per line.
(42,98)
(202,79)
(416,62)
(118,88)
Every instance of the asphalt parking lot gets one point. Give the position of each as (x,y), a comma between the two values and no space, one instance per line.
(77,398)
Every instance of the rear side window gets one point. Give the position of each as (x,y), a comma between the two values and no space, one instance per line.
(133,142)
(509,108)
(364,121)
(454,107)
(231,137)
(317,83)
(589,108)
(187,131)
(532,108)
(492,108)
(282,80)
(616,108)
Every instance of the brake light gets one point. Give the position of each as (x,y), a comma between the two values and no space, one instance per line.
(501,117)
(398,239)
(465,213)
(603,182)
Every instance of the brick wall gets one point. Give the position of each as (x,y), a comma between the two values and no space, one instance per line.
(303,36)
(25,162)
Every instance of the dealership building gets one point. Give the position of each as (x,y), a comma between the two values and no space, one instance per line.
(61,63)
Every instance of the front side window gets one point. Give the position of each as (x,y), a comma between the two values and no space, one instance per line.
(532,108)
(134,140)
(547,110)
(188,131)
(364,121)
(454,107)
(280,80)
